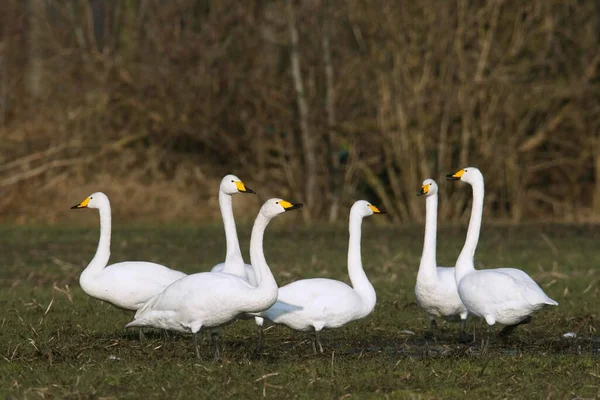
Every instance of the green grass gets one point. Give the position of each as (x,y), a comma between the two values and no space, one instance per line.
(56,342)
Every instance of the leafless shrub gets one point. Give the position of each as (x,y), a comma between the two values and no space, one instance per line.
(317,101)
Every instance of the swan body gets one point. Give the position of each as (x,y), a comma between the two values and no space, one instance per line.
(436,289)
(317,304)
(504,295)
(129,284)
(234,262)
(214,299)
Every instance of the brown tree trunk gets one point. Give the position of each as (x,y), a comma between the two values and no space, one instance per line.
(308,144)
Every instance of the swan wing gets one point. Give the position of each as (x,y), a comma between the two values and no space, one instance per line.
(130,284)
(207,296)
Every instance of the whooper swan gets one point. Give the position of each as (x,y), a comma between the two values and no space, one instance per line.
(505,295)
(213,299)
(234,262)
(436,287)
(316,304)
(128,284)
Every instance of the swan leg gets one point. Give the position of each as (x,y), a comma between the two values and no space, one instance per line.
(492,329)
(195,336)
(463,336)
(215,339)
(260,340)
(507,330)
(142,337)
(431,333)
(317,340)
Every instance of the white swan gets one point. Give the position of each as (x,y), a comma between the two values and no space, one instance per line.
(316,304)
(504,295)
(436,287)
(213,299)
(234,262)
(128,284)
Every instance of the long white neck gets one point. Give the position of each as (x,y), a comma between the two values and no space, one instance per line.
(465,263)
(234,262)
(428,265)
(265,293)
(359,279)
(102,255)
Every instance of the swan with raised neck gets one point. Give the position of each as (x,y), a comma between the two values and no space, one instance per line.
(505,295)
(319,303)
(213,299)
(435,289)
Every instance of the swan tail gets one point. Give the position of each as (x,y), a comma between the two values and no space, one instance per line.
(551,302)
(134,323)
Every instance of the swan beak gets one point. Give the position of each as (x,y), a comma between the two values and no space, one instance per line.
(424,190)
(83,204)
(376,210)
(287,206)
(243,189)
(455,176)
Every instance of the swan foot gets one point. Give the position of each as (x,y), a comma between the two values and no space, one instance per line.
(195,336)
(317,340)
(215,339)
(507,330)
(464,337)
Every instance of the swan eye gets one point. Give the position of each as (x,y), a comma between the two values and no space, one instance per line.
(276,202)
(232,180)
(91,198)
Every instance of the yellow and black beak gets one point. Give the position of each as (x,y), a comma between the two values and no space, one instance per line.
(287,206)
(424,190)
(242,188)
(83,204)
(376,210)
(455,176)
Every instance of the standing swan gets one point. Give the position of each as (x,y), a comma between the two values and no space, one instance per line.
(316,304)
(505,295)
(127,284)
(436,287)
(213,299)
(234,262)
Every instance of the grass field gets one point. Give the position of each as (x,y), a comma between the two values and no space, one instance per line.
(56,342)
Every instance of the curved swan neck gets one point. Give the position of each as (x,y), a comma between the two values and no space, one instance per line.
(266,282)
(428,265)
(103,251)
(233,258)
(465,264)
(359,279)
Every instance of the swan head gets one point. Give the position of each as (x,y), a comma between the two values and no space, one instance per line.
(94,200)
(274,207)
(471,175)
(429,188)
(231,184)
(364,209)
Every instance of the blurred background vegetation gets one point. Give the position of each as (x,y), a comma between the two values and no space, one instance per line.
(324,102)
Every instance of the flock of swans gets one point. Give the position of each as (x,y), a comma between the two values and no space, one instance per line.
(171,300)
